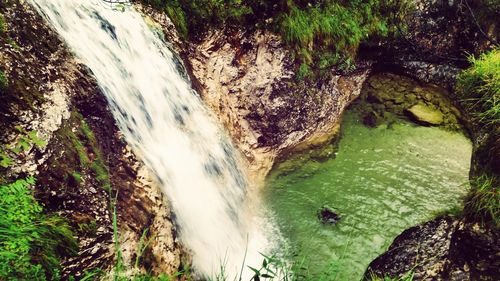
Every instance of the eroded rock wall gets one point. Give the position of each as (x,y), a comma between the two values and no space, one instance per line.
(247,79)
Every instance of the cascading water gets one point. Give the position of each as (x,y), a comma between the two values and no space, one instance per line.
(165,122)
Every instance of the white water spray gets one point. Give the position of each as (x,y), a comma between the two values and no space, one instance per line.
(165,122)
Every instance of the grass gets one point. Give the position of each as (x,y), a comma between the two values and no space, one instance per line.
(329,33)
(479,88)
(483,202)
(119,272)
(77,177)
(88,228)
(84,143)
(321,33)
(31,242)
(192,17)
(98,167)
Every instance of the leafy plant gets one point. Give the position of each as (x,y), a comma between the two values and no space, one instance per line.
(31,242)
(5,160)
(26,140)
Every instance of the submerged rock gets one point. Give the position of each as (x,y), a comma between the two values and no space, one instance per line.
(425,115)
(371,120)
(328,216)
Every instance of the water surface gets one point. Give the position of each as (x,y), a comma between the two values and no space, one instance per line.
(382,181)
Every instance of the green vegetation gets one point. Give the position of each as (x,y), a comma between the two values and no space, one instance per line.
(25,141)
(483,202)
(121,268)
(3,81)
(3,25)
(88,155)
(88,228)
(5,160)
(31,242)
(322,33)
(317,30)
(191,17)
(479,87)
(77,177)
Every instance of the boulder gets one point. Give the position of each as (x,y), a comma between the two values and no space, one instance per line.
(425,115)
(328,216)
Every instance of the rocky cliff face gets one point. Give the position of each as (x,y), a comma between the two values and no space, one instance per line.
(439,36)
(85,164)
(246,77)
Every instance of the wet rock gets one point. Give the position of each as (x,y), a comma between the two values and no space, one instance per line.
(328,216)
(425,115)
(442,249)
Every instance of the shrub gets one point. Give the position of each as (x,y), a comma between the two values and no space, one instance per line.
(31,242)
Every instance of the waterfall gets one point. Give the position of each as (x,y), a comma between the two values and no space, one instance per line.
(168,127)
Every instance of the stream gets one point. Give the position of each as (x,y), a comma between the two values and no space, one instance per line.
(382,181)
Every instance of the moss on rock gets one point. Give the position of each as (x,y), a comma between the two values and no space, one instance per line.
(421,103)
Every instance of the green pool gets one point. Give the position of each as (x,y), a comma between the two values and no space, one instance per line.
(382,181)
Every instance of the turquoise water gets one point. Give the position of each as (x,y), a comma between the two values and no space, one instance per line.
(382,181)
